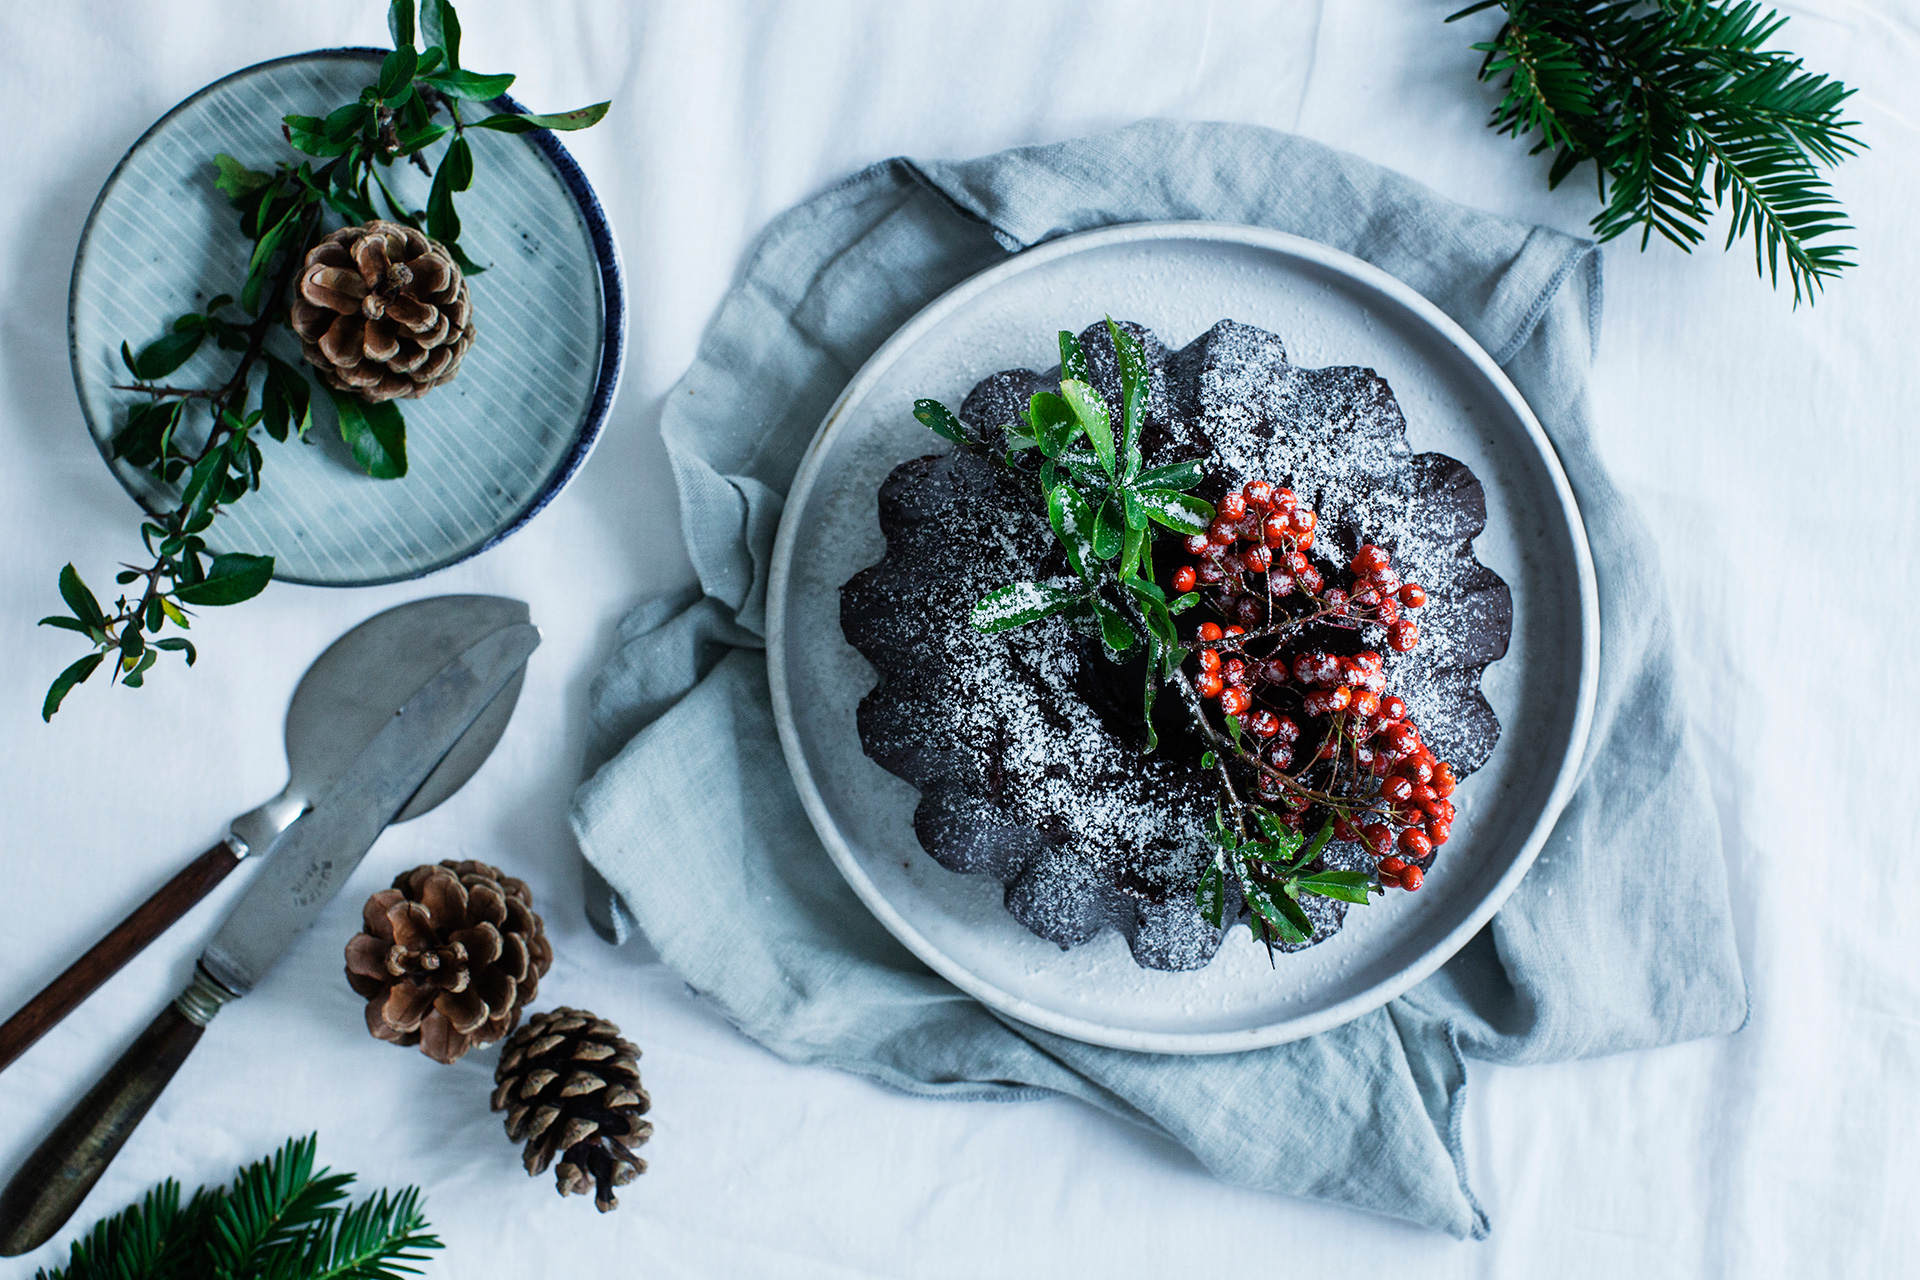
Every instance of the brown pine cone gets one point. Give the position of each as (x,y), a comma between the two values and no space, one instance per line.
(450,956)
(382,311)
(571,1087)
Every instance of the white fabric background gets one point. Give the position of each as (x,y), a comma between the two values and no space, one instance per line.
(1771,451)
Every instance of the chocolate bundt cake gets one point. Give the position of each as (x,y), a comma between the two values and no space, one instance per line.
(1030,746)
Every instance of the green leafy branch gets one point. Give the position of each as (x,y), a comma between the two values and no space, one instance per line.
(1682,113)
(215,459)
(1273,871)
(281,1218)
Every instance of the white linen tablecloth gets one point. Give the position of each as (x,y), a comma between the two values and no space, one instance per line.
(1771,449)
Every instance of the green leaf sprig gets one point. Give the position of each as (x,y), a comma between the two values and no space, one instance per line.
(215,459)
(280,1219)
(1683,113)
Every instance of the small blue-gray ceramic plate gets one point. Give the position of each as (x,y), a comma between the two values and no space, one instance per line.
(485,452)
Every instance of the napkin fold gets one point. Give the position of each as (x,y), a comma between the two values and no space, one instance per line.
(1619,938)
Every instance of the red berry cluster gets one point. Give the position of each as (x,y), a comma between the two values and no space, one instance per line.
(1368,767)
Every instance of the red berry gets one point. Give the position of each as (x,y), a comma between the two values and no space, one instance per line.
(1284,500)
(1209,659)
(1234,671)
(1232,507)
(1209,631)
(1365,702)
(1328,750)
(1303,540)
(1259,493)
(1249,612)
(1378,838)
(1264,723)
(1322,702)
(1274,529)
(1443,780)
(1235,631)
(1257,558)
(1234,702)
(1197,544)
(1413,595)
(1183,579)
(1422,792)
(1399,739)
(1280,584)
(1363,755)
(1403,636)
(1210,572)
(1365,596)
(1438,832)
(1297,563)
(1316,668)
(1417,767)
(1393,707)
(1411,878)
(1302,520)
(1369,560)
(1222,532)
(1210,685)
(1280,755)
(1389,881)
(1343,830)
(1386,582)
(1391,865)
(1337,600)
(1386,613)
(1309,580)
(1285,730)
(1414,843)
(1396,789)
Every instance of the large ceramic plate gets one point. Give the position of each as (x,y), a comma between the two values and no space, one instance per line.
(485,452)
(1178,279)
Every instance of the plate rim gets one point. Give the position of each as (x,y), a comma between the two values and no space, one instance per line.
(613,336)
(1088,1031)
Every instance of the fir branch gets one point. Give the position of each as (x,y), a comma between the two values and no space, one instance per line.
(1684,114)
(279,1220)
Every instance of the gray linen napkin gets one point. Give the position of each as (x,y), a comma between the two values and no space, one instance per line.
(1619,938)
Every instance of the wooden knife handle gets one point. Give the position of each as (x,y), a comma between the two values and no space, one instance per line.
(84,976)
(62,1169)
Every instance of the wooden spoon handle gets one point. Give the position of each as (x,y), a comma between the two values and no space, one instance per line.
(84,976)
(62,1169)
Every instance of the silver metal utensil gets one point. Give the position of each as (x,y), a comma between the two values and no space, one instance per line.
(344,700)
(308,865)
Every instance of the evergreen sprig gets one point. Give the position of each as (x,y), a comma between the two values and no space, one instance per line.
(1683,114)
(217,460)
(280,1220)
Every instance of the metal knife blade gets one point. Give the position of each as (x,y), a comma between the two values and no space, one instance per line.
(315,855)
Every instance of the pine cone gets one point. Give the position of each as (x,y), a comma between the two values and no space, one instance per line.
(571,1087)
(382,311)
(450,956)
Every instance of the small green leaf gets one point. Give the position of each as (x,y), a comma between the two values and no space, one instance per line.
(1347,886)
(1017,604)
(1073,361)
(1320,838)
(1145,590)
(68,624)
(1282,915)
(939,419)
(1150,691)
(1180,604)
(1211,894)
(1073,525)
(1115,633)
(1130,555)
(1284,842)
(396,73)
(1296,917)
(1053,422)
(400,23)
(470,86)
(1092,412)
(1135,382)
(441,27)
(1180,512)
(307,134)
(1110,530)
(176,644)
(233,577)
(342,124)
(1178,475)
(376,433)
(62,683)
(79,599)
(163,355)
(236,179)
(1208,759)
(579,118)
(1233,729)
